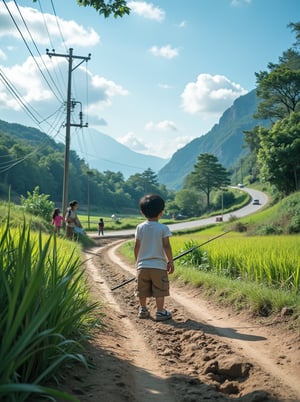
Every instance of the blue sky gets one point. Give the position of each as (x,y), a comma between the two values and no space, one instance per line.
(156,79)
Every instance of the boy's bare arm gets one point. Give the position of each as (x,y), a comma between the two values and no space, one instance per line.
(136,248)
(169,254)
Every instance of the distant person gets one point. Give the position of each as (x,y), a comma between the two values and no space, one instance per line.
(57,220)
(72,220)
(101,227)
(153,255)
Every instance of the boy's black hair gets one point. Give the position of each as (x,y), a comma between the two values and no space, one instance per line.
(151,205)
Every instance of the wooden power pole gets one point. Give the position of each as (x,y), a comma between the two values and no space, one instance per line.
(70,105)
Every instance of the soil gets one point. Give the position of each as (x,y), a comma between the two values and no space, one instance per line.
(204,353)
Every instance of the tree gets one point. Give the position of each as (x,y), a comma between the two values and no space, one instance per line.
(116,7)
(187,202)
(279,88)
(279,155)
(279,91)
(295,27)
(208,174)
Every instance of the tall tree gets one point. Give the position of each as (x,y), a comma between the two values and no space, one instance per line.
(279,155)
(279,91)
(208,174)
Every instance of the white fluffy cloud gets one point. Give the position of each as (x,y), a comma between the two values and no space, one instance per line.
(132,142)
(147,10)
(164,125)
(72,32)
(166,147)
(210,94)
(165,51)
(34,90)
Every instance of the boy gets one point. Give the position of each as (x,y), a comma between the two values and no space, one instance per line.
(153,255)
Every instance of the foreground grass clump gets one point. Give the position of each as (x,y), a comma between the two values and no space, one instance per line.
(44,311)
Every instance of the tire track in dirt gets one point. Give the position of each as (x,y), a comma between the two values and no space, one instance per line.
(149,380)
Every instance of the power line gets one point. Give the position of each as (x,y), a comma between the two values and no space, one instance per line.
(26,44)
(17,96)
(50,40)
(58,25)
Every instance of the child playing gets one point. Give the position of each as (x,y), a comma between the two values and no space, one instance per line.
(153,255)
(101,227)
(57,220)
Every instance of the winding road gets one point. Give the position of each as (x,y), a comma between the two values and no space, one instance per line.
(247,210)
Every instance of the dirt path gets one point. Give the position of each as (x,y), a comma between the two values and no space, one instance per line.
(203,354)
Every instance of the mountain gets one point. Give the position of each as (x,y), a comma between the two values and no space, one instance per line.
(225,140)
(98,150)
(102,152)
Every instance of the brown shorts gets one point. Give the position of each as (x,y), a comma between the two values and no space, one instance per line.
(152,282)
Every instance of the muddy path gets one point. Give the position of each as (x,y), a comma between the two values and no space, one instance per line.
(205,353)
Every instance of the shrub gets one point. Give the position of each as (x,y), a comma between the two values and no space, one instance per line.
(38,204)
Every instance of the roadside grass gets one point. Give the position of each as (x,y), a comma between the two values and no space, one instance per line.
(17,216)
(45,312)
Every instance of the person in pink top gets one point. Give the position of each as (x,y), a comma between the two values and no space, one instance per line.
(57,220)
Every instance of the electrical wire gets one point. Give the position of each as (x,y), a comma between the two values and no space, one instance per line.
(62,80)
(18,97)
(58,25)
(41,58)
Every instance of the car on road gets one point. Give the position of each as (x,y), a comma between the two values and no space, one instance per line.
(255,202)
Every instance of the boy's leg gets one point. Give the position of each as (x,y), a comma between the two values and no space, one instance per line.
(160,302)
(143,291)
(143,301)
(161,289)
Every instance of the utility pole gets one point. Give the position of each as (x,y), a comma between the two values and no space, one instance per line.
(70,105)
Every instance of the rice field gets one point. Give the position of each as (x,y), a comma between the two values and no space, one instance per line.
(273,261)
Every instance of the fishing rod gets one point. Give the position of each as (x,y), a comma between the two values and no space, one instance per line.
(175,258)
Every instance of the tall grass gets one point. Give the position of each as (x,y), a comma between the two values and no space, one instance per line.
(44,312)
(273,260)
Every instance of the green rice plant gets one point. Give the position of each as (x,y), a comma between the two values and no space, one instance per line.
(44,312)
(271,260)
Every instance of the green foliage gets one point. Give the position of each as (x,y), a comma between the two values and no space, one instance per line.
(193,259)
(188,202)
(284,219)
(44,312)
(208,174)
(279,154)
(117,8)
(108,191)
(279,91)
(38,204)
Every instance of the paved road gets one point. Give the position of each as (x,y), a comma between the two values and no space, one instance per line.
(247,210)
